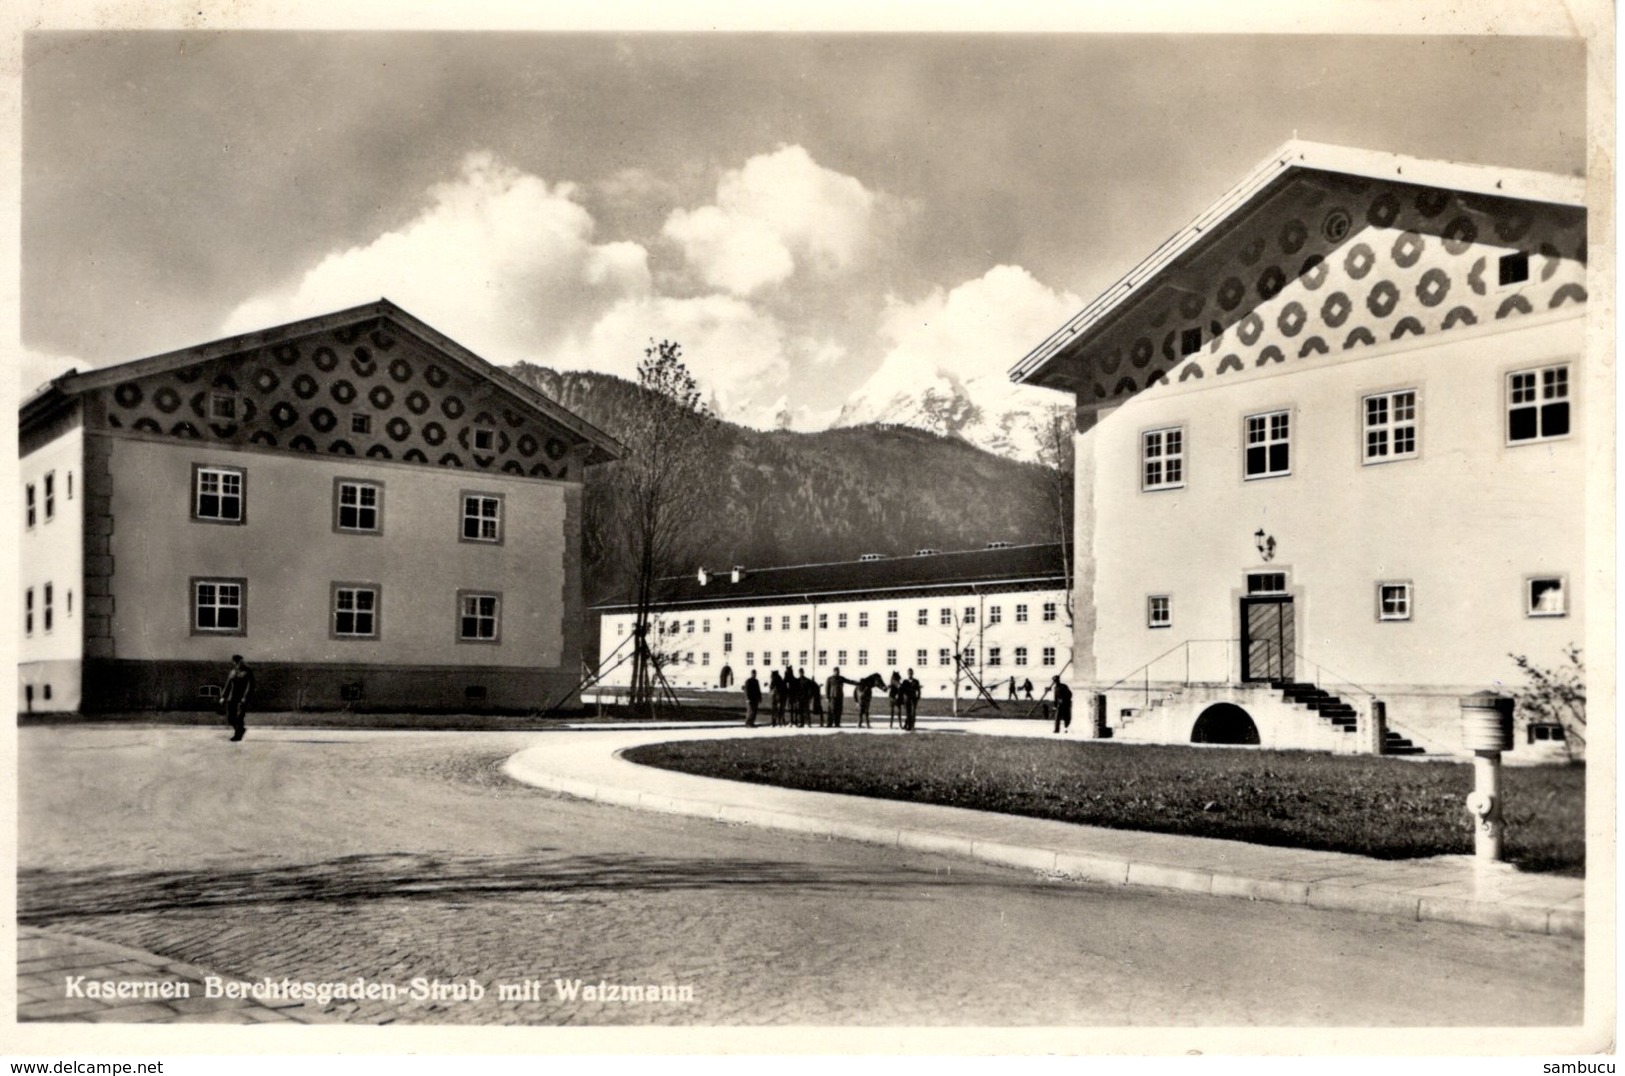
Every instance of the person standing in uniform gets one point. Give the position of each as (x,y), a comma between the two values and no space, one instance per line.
(911,700)
(235,693)
(753,699)
(775,691)
(835,695)
(1063,706)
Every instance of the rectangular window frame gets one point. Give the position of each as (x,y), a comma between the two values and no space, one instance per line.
(50,496)
(199,470)
(1275,429)
(495,639)
(1540,402)
(1162,450)
(30,496)
(354,587)
(464,517)
(377,507)
(891,622)
(1531,608)
(1021,657)
(1159,611)
(197,581)
(1391,428)
(1401,608)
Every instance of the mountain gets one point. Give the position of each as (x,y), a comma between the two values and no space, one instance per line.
(988,412)
(783,497)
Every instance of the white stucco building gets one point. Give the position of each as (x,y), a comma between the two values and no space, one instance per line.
(1332,433)
(1002,609)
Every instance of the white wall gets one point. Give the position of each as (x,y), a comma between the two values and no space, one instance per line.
(51,552)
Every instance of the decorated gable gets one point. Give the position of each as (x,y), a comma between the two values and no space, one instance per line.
(366,389)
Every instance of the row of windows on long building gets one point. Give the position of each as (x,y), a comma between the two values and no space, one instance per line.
(922,618)
(1019,657)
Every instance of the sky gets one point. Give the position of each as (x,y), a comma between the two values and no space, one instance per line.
(816,218)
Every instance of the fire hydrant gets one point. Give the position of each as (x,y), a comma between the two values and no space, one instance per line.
(1486,731)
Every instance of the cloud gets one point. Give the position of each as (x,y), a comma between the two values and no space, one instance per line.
(959,344)
(782,210)
(498,260)
(742,356)
(39,367)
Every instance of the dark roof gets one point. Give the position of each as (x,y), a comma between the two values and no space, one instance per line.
(1003,567)
(604,447)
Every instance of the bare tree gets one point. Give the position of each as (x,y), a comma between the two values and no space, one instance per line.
(652,518)
(1055,430)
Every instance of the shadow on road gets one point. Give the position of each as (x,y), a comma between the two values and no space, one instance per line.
(53,896)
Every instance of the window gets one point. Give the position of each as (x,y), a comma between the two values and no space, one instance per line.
(947,617)
(804,621)
(620,629)
(70,485)
(689,628)
(945,656)
(1393,601)
(28,611)
(863,658)
(1390,426)
(784,622)
(30,500)
(47,608)
(705,657)
(767,623)
(218,494)
(922,617)
(784,658)
(841,622)
(705,627)
(1049,612)
(482,517)
(688,657)
(995,656)
(50,497)
(891,658)
(360,423)
(1049,655)
(218,606)
(891,622)
(485,439)
(750,623)
(750,657)
(1514,268)
(479,617)
(970,655)
(1021,655)
(1021,614)
(823,621)
(863,620)
(801,660)
(840,657)
(970,614)
(1546,596)
(727,642)
(1538,404)
(823,658)
(995,614)
(70,601)
(222,407)
(1162,458)
(1269,445)
(358,506)
(355,611)
(1159,612)
(1266,582)
(922,657)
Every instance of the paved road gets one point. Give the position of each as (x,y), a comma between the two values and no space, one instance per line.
(324,856)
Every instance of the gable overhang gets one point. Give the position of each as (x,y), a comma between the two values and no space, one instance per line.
(602,447)
(1053,362)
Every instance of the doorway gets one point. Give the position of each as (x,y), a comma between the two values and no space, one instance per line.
(1268,639)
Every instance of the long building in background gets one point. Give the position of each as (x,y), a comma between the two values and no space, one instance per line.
(1003,611)
(1331,454)
(372,515)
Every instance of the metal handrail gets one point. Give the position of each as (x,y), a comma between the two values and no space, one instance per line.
(1323,672)
(1146,668)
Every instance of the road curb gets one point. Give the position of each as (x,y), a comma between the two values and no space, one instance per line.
(1110,870)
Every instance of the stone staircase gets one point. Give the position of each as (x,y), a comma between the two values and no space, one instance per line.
(1339,713)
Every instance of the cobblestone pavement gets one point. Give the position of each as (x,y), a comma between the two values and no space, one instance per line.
(324,856)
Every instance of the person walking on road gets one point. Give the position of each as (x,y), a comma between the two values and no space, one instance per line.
(753,699)
(1063,706)
(235,693)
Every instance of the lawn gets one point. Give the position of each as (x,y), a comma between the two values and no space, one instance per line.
(1379,807)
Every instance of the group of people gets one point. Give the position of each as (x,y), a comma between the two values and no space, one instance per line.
(794,698)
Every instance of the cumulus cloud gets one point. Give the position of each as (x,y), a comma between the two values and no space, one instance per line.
(958,345)
(741,355)
(779,211)
(498,260)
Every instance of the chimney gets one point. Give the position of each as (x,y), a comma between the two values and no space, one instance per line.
(737,574)
(703,577)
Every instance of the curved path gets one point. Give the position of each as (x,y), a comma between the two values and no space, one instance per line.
(327,855)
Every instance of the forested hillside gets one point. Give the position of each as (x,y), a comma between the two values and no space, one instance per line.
(782,497)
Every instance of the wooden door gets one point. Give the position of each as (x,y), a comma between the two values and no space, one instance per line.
(1267,639)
